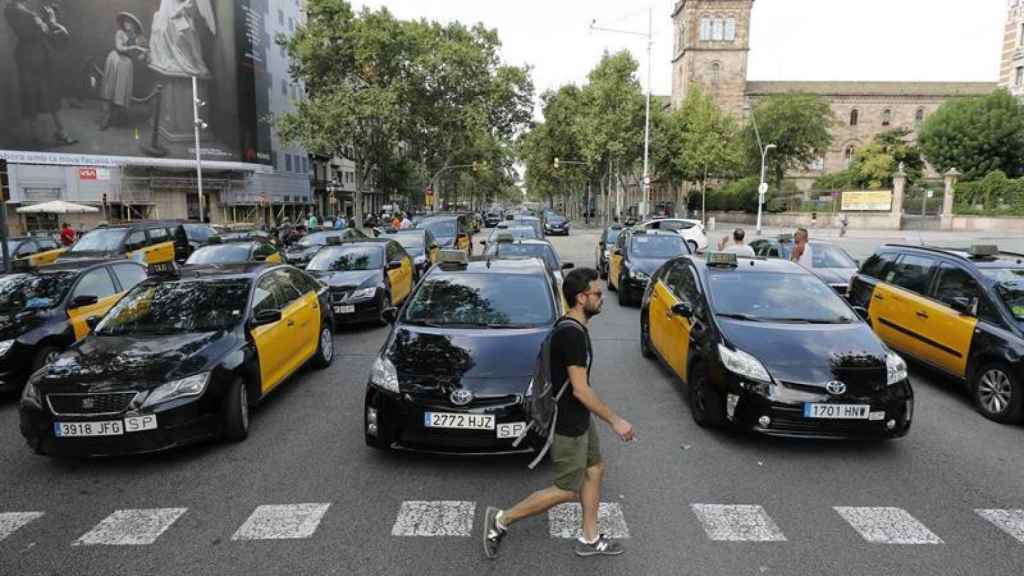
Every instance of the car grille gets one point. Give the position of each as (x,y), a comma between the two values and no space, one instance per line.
(89,404)
(792,421)
(340,294)
(859,381)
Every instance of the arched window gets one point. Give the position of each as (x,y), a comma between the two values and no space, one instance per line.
(705,28)
(716,72)
(730,29)
(886,117)
(848,155)
(854,117)
(717,32)
(919,116)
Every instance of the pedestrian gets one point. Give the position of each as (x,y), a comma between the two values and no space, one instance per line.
(737,246)
(313,223)
(339,222)
(406,223)
(67,234)
(396,222)
(575,450)
(802,249)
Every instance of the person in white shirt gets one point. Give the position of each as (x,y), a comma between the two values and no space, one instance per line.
(802,249)
(737,246)
(406,223)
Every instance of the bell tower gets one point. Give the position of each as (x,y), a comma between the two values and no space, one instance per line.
(712,39)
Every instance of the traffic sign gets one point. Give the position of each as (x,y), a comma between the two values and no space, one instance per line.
(763,188)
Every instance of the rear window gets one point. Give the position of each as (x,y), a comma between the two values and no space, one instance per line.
(225,254)
(876,265)
(911,273)
(482,300)
(649,246)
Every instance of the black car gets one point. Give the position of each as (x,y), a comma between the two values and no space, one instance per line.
(450,231)
(767,346)
(301,252)
(459,360)
(491,219)
(366,278)
(828,261)
(421,246)
(179,360)
(189,237)
(556,224)
(604,248)
(637,254)
(238,250)
(36,250)
(43,312)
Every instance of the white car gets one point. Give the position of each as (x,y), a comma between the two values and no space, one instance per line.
(691,230)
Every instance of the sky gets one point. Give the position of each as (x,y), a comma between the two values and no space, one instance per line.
(895,40)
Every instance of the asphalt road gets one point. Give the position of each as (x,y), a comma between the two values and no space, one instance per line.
(303,495)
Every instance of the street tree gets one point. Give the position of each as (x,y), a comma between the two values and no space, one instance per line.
(709,141)
(800,127)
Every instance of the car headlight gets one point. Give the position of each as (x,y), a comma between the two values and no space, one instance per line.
(420,260)
(743,364)
(362,294)
(637,275)
(30,395)
(185,388)
(5,347)
(383,374)
(896,368)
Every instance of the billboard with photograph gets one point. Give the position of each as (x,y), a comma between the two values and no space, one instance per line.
(867,201)
(94,82)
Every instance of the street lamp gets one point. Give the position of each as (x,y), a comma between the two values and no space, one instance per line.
(762,188)
(199,125)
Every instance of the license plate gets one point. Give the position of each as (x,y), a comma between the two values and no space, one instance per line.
(344,309)
(83,429)
(162,268)
(511,429)
(837,411)
(458,421)
(140,423)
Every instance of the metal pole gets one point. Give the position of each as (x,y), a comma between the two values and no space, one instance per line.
(199,161)
(647,121)
(760,197)
(3,216)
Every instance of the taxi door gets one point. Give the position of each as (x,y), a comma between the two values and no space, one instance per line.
(897,310)
(950,332)
(615,261)
(46,257)
(98,283)
(658,315)
(279,345)
(681,285)
(400,279)
(160,248)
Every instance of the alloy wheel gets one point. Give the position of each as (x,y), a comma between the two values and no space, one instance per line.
(326,344)
(995,391)
(243,405)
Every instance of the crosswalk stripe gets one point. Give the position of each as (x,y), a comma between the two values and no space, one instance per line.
(131,527)
(737,523)
(1009,521)
(434,518)
(566,520)
(10,522)
(280,522)
(887,525)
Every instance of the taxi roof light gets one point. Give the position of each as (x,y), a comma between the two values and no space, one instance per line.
(333,240)
(724,259)
(215,240)
(505,238)
(453,258)
(983,250)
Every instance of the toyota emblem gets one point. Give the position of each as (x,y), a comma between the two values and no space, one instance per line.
(461,397)
(88,403)
(836,388)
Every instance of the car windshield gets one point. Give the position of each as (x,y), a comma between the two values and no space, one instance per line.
(776,297)
(1009,287)
(347,259)
(178,308)
(517,232)
(649,246)
(440,228)
(315,239)
(225,254)
(613,235)
(100,240)
(19,292)
(542,251)
(482,300)
(822,255)
(413,244)
(198,232)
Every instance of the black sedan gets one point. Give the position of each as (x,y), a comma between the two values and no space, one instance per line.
(556,225)
(300,253)
(637,254)
(491,219)
(765,345)
(179,360)
(459,360)
(366,278)
(828,261)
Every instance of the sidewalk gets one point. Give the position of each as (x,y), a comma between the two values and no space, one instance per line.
(916,236)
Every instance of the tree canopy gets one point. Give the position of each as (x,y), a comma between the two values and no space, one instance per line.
(800,126)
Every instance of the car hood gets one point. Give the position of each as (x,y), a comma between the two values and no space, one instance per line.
(352,278)
(485,361)
(835,275)
(301,253)
(646,265)
(445,241)
(103,363)
(808,354)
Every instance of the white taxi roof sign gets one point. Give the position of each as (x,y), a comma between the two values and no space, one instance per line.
(453,257)
(983,250)
(721,259)
(505,237)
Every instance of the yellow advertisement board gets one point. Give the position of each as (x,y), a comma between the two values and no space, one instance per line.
(867,201)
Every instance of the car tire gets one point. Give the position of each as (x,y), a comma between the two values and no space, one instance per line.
(603,271)
(624,299)
(44,356)
(235,411)
(325,347)
(384,304)
(692,245)
(997,394)
(706,405)
(646,350)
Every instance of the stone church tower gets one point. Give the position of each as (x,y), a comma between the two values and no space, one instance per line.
(712,40)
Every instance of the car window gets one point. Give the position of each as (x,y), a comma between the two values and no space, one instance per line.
(955,282)
(876,265)
(1009,287)
(181,307)
(661,246)
(157,235)
(136,239)
(676,280)
(826,256)
(265,249)
(302,281)
(676,225)
(482,300)
(219,254)
(390,252)
(95,283)
(912,273)
(769,296)
(26,248)
(100,240)
(264,298)
(285,291)
(348,258)
(47,244)
(129,275)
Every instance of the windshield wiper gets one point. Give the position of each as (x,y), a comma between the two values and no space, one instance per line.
(745,317)
(837,320)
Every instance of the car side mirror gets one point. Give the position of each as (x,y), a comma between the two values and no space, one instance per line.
(265,317)
(964,305)
(390,315)
(92,322)
(683,309)
(568,266)
(394,265)
(861,311)
(259,257)
(83,300)
(616,252)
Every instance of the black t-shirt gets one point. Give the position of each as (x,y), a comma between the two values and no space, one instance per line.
(570,346)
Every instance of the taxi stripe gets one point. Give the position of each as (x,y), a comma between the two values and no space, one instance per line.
(887,525)
(1009,521)
(737,523)
(281,522)
(565,520)
(434,518)
(11,522)
(917,336)
(131,527)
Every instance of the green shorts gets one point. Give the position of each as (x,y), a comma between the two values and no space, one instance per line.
(572,455)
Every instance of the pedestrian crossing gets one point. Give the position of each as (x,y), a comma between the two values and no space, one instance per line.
(878,525)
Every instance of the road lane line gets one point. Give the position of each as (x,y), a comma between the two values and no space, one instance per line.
(887,525)
(565,520)
(10,522)
(131,527)
(737,523)
(281,522)
(1009,521)
(434,518)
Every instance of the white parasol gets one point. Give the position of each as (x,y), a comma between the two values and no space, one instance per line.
(57,207)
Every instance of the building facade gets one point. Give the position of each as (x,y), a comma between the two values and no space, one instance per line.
(712,45)
(1011,69)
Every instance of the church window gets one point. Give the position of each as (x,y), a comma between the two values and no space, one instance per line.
(849,153)
(886,117)
(730,29)
(1020,35)
(717,30)
(818,164)
(1019,80)
(705,28)
(716,72)
(919,116)
(854,117)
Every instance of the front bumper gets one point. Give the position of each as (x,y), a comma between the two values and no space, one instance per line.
(633,285)
(365,311)
(556,230)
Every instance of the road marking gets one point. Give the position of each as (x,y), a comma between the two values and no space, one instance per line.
(566,520)
(737,523)
(434,518)
(280,522)
(10,522)
(1009,521)
(131,527)
(887,525)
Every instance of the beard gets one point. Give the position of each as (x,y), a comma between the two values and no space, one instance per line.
(591,311)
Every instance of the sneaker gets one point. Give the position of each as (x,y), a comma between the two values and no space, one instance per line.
(493,534)
(602,547)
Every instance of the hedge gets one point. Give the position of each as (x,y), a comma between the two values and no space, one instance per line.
(994,195)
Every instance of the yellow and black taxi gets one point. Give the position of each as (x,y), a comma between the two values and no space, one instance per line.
(458,362)
(44,311)
(829,262)
(637,254)
(421,246)
(178,360)
(189,237)
(960,311)
(366,278)
(301,252)
(237,250)
(765,345)
(149,243)
(450,231)
(35,250)
(603,251)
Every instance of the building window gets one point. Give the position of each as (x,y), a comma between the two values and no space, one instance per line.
(717,32)
(730,29)
(280,17)
(284,87)
(818,164)
(1019,80)
(886,117)
(287,162)
(919,116)
(716,72)
(705,28)
(854,117)
(291,24)
(850,152)
(284,51)
(1020,35)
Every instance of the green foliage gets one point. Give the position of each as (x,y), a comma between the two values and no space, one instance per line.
(976,136)
(994,195)
(874,165)
(737,195)
(800,127)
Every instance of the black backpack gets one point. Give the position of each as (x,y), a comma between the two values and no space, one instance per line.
(543,395)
